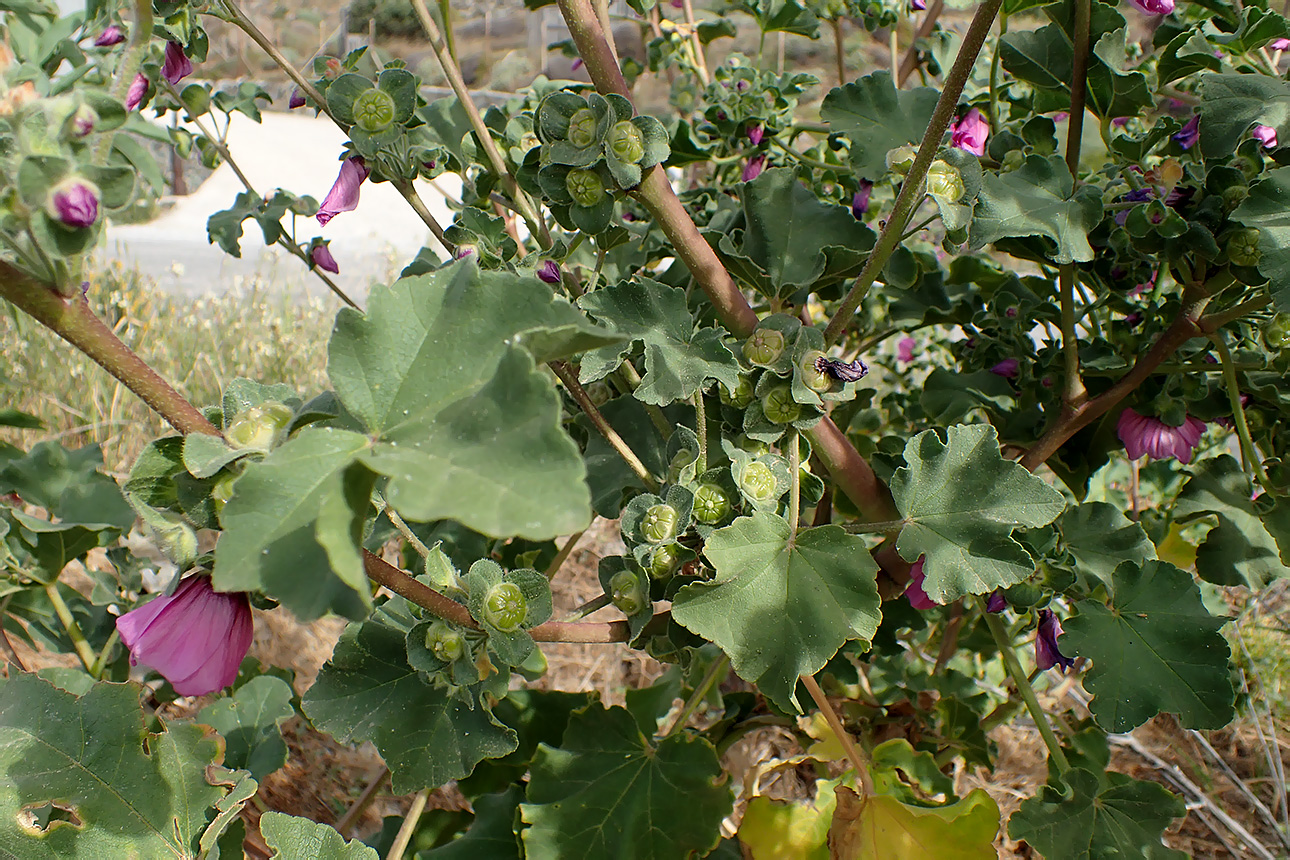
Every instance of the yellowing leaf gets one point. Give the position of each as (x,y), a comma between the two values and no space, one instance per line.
(773,830)
(882,828)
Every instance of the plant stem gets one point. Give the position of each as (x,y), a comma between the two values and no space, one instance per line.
(363,802)
(409,826)
(72,320)
(83,649)
(397,521)
(925,28)
(809,162)
(875,528)
(795,491)
(96,671)
(839,48)
(599,602)
(131,59)
(554,567)
(576,391)
(409,193)
(1217,320)
(1073,392)
(1082,12)
(852,473)
(700,62)
(911,190)
(716,672)
(857,759)
(701,430)
(449,38)
(246,25)
(1248,450)
(1027,692)
(632,379)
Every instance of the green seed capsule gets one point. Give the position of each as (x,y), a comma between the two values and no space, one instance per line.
(625,143)
(759,482)
(659,523)
(259,427)
(779,405)
(445,642)
(812,376)
(683,458)
(662,562)
(1276,332)
(505,607)
(582,128)
(585,187)
(740,397)
(944,181)
(765,346)
(626,592)
(711,504)
(374,110)
(222,492)
(1243,248)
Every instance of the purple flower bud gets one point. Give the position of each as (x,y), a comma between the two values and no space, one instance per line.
(914,591)
(463,251)
(1120,121)
(1279,44)
(1133,320)
(196,638)
(81,123)
(843,371)
(918,5)
(138,89)
(741,86)
(905,349)
(755,133)
(1011,313)
(1061,116)
(1139,195)
(1142,434)
(970,132)
(1046,382)
(1266,135)
(860,201)
(754,167)
(549,272)
(74,203)
(997,602)
(343,196)
(297,99)
(321,255)
(110,36)
(1190,133)
(177,66)
(1009,368)
(577,64)
(1047,654)
(1155,7)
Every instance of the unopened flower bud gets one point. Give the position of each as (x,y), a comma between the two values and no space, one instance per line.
(549,272)
(944,181)
(111,35)
(901,159)
(322,258)
(74,203)
(81,123)
(297,99)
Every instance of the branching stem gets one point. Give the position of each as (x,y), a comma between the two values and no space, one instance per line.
(1027,692)
(580,396)
(716,672)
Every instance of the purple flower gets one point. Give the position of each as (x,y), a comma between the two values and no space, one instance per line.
(321,255)
(463,251)
(74,203)
(549,272)
(914,591)
(1047,654)
(918,5)
(860,201)
(577,64)
(196,638)
(755,133)
(1190,132)
(1155,7)
(1009,368)
(110,36)
(997,602)
(1120,121)
(1142,434)
(754,167)
(343,196)
(138,89)
(905,349)
(1279,44)
(177,66)
(1230,423)
(1266,135)
(842,371)
(969,133)
(297,99)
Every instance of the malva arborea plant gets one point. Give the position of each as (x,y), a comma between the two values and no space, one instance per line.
(882,398)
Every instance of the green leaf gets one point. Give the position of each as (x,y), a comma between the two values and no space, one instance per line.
(961,500)
(491,836)
(680,357)
(880,827)
(205,455)
(1100,536)
(368,692)
(87,755)
(608,476)
(1098,816)
(1231,103)
(271,541)
(67,483)
(1265,210)
(293,838)
(251,722)
(608,791)
(1037,199)
(1188,52)
(1155,649)
(781,608)
(877,118)
(948,396)
(1239,551)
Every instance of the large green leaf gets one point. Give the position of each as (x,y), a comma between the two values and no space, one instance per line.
(881,827)
(961,501)
(272,541)
(491,835)
(68,484)
(1265,209)
(782,607)
(608,475)
(1037,199)
(1154,649)
(608,791)
(679,356)
(1100,536)
(135,793)
(1231,103)
(1093,816)
(368,692)
(877,118)
(251,722)
(293,838)
(1239,551)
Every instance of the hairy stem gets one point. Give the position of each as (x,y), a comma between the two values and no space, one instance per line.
(700,61)
(1248,450)
(131,59)
(925,27)
(83,649)
(911,190)
(246,25)
(858,760)
(701,430)
(579,394)
(840,50)
(795,486)
(1027,692)
(1073,392)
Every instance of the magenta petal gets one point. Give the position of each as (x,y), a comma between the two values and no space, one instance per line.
(177,65)
(1047,654)
(343,196)
(914,591)
(138,89)
(321,255)
(970,133)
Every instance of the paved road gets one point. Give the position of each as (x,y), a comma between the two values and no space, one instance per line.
(299,153)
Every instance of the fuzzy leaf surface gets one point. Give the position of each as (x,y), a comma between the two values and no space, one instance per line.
(293,838)
(251,722)
(1037,199)
(1100,536)
(877,118)
(1265,210)
(1239,551)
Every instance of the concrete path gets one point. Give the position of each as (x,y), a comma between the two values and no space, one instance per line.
(300,153)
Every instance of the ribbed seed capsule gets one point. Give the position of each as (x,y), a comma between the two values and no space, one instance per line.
(659,523)
(626,592)
(582,128)
(765,346)
(505,607)
(625,143)
(759,482)
(711,504)
(585,187)
(779,405)
(445,642)
(374,110)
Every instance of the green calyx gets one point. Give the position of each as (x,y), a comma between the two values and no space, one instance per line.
(944,181)
(585,187)
(625,143)
(222,492)
(582,128)
(259,427)
(445,642)
(741,396)
(683,458)
(374,110)
(759,483)
(1276,331)
(659,523)
(1243,247)
(814,378)
(765,346)
(627,592)
(711,504)
(505,607)
(779,406)
(662,562)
